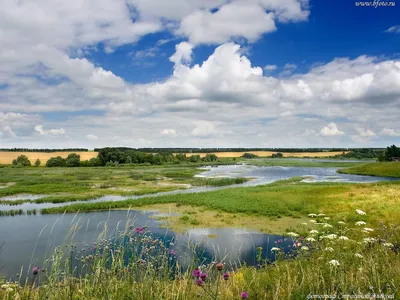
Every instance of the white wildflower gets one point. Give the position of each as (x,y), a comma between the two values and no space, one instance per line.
(321,215)
(343,238)
(368,229)
(358,255)
(313,231)
(341,223)
(310,239)
(293,234)
(369,240)
(9,290)
(4,286)
(389,245)
(305,248)
(327,226)
(360,212)
(360,223)
(275,249)
(331,236)
(305,224)
(312,221)
(334,263)
(312,215)
(329,249)
(327,218)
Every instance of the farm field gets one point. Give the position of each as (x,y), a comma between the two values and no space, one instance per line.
(6,158)
(269,153)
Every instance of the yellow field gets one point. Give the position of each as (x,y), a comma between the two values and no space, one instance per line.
(269,153)
(7,157)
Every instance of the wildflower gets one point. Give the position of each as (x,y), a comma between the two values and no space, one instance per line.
(139,229)
(203,276)
(368,230)
(341,223)
(35,270)
(360,212)
(358,255)
(9,290)
(296,244)
(275,249)
(312,215)
(331,236)
(196,273)
(360,223)
(244,295)
(5,286)
(369,240)
(389,245)
(327,226)
(172,252)
(304,248)
(280,241)
(343,238)
(199,282)
(327,218)
(310,239)
(220,267)
(321,215)
(226,276)
(305,224)
(313,231)
(312,221)
(292,234)
(329,249)
(334,263)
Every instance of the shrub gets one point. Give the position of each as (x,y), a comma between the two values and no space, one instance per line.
(37,162)
(22,160)
(249,155)
(57,161)
(73,160)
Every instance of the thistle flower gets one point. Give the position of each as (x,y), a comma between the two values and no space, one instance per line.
(334,263)
(196,273)
(203,276)
(139,229)
(360,223)
(172,252)
(199,282)
(244,295)
(35,271)
(226,276)
(360,212)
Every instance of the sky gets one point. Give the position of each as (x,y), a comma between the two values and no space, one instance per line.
(199,73)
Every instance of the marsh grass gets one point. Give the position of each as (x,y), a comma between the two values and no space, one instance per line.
(329,258)
(391,169)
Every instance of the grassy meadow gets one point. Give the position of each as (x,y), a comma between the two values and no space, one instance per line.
(391,169)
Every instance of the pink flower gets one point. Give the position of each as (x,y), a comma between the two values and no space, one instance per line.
(244,295)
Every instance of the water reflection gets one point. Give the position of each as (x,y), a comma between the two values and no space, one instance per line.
(29,239)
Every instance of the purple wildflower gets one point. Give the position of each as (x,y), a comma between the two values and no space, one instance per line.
(35,270)
(172,252)
(226,276)
(196,273)
(139,229)
(280,241)
(244,295)
(199,282)
(203,276)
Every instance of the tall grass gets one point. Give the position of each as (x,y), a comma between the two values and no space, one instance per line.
(390,169)
(331,258)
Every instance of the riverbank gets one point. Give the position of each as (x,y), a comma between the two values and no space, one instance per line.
(389,169)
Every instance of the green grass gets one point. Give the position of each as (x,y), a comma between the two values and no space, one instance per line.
(285,198)
(390,169)
(198,181)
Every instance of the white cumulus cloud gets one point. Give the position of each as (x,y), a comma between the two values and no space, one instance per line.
(331,130)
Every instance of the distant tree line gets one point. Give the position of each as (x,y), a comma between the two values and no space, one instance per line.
(390,153)
(43,150)
(362,153)
(216,150)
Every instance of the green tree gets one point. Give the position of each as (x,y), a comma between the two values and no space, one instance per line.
(22,160)
(210,157)
(73,160)
(249,155)
(392,151)
(194,158)
(57,161)
(37,162)
(277,155)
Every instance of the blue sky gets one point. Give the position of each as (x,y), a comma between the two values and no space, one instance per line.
(199,74)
